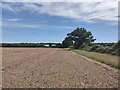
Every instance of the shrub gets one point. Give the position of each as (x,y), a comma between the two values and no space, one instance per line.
(93,48)
(71,47)
(86,47)
(109,48)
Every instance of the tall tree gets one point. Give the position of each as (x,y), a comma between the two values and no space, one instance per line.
(80,36)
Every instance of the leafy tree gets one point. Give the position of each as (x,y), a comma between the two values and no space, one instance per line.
(67,42)
(78,37)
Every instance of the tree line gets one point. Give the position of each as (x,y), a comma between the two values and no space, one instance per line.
(45,45)
(79,38)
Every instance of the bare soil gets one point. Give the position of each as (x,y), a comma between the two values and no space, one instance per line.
(53,68)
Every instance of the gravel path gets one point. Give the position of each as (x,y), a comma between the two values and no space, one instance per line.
(53,68)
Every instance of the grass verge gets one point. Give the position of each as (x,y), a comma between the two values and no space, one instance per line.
(103,58)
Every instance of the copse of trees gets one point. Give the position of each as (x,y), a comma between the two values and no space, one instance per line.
(82,39)
(78,38)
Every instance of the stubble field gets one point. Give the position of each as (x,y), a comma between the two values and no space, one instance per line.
(53,68)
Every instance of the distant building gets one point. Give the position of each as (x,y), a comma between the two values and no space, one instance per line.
(50,45)
(53,44)
(47,45)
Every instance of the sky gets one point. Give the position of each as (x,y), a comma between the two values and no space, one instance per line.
(51,21)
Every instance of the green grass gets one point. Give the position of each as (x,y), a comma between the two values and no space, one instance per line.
(103,58)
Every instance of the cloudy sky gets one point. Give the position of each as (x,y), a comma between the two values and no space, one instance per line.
(50,21)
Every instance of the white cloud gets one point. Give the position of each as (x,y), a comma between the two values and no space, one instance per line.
(14,19)
(51,0)
(5,6)
(38,26)
(20,25)
(85,11)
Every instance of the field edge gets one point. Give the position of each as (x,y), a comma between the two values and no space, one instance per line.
(96,59)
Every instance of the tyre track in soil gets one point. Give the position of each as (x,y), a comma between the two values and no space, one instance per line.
(54,68)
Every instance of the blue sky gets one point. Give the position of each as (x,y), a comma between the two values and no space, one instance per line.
(50,22)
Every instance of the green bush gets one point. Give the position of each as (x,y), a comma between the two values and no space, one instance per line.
(71,47)
(86,48)
(98,49)
(109,48)
(93,48)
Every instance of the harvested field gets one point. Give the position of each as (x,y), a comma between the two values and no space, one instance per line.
(54,68)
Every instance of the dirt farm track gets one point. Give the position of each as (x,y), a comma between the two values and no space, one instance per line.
(53,68)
